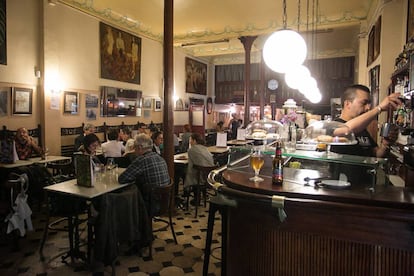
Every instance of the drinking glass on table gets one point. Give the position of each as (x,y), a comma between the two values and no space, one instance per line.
(256,162)
(110,163)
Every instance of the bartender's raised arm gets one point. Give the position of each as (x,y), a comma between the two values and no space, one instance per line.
(361,122)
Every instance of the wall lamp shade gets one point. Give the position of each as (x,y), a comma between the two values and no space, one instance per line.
(284,49)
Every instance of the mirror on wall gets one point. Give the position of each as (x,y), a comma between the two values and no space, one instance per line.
(118,102)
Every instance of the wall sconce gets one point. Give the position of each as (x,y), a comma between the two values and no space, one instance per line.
(37,72)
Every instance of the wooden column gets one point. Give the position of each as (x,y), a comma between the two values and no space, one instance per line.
(263,87)
(247,42)
(168,120)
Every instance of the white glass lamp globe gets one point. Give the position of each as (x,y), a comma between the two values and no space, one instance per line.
(314,95)
(296,75)
(284,49)
(307,84)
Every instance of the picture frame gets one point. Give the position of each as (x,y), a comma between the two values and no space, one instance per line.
(147,103)
(3,32)
(71,102)
(22,99)
(374,77)
(4,101)
(119,49)
(377,39)
(371,38)
(157,105)
(410,21)
(91,101)
(196,76)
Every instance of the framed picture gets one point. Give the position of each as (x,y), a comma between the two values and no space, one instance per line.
(411,72)
(374,77)
(371,37)
(119,49)
(22,101)
(209,105)
(410,21)
(157,105)
(377,39)
(3,33)
(147,103)
(71,102)
(4,103)
(91,114)
(196,76)
(91,101)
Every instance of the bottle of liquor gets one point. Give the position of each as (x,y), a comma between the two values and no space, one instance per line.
(277,169)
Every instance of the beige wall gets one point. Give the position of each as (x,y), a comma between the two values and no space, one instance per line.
(64,44)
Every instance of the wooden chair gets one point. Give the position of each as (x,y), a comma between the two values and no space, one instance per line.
(161,203)
(201,186)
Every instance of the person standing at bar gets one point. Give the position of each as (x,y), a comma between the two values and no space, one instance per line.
(357,114)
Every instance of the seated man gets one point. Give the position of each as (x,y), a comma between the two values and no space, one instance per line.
(87,129)
(113,147)
(147,170)
(199,155)
(25,144)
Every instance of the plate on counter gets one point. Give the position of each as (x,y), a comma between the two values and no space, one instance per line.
(335,184)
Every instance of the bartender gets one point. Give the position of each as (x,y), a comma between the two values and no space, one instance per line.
(357,114)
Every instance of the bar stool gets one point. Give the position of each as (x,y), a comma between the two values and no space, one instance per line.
(201,186)
(217,203)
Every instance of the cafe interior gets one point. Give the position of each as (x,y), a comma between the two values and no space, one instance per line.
(278,67)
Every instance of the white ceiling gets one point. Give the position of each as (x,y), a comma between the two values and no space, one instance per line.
(201,22)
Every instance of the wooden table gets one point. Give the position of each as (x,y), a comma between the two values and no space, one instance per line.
(35,160)
(239,142)
(106,182)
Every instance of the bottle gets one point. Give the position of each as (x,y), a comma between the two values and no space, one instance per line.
(277,168)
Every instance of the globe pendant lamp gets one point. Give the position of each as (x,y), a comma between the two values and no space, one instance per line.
(284,49)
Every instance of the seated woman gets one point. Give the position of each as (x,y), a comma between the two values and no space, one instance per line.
(199,155)
(90,144)
(25,144)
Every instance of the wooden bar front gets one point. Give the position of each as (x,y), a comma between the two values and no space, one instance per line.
(326,232)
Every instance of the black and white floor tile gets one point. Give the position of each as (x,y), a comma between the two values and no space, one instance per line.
(169,259)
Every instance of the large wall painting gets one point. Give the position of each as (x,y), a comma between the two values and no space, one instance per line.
(120,55)
(196,76)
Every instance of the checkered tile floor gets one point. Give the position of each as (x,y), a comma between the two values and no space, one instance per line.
(169,259)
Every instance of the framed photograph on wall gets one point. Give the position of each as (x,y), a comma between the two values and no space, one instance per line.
(147,103)
(71,102)
(377,39)
(3,32)
(119,49)
(91,101)
(371,41)
(410,21)
(157,105)
(195,77)
(22,101)
(4,101)
(374,77)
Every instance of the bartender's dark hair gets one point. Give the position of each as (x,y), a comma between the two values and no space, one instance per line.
(350,92)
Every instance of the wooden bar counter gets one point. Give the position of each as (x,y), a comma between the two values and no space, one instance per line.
(352,231)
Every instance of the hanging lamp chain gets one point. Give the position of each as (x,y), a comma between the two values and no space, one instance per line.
(298,15)
(284,15)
